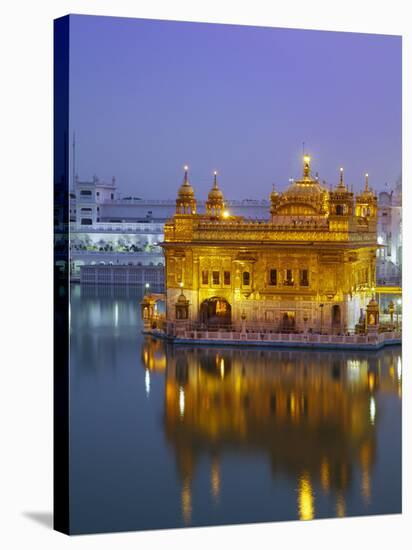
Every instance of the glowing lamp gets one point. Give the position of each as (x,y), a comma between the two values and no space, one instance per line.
(306,158)
(226,214)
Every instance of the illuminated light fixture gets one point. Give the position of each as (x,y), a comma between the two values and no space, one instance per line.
(226,214)
(341,169)
(186,167)
(215,173)
(306,158)
(147,285)
(380,240)
(399,301)
(181,284)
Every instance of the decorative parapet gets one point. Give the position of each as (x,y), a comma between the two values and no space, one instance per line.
(296,230)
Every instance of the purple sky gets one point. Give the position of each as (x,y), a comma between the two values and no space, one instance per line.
(149,96)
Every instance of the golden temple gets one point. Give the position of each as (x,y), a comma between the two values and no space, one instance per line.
(309,268)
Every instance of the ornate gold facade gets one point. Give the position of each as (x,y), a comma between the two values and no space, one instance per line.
(311,267)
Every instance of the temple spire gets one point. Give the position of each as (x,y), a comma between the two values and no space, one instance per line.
(341,180)
(186,176)
(306,166)
(215,179)
(366,182)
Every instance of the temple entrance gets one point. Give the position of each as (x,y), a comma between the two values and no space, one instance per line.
(288,323)
(336,317)
(216,312)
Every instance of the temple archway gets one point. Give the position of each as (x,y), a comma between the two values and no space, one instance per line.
(336,317)
(215,311)
(288,323)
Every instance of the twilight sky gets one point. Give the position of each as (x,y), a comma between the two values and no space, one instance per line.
(149,96)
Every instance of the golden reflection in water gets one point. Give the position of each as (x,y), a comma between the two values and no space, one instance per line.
(182,401)
(365,459)
(313,416)
(186,499)
(325,475)
(340,506)
(372,410)
(215,479)
(306,505)
(153,355)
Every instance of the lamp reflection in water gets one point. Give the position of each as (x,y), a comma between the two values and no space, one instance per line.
(372,410)
(306,499)
(325,475)
(340,506)
(186,499)
(181,401)
(215,479)
(147,382)
(365,459)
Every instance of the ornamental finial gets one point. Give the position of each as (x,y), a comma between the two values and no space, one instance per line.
(366,182)
(306,166)
(186,177)
(215,179)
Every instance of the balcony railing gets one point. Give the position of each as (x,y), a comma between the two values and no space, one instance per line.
(197,331)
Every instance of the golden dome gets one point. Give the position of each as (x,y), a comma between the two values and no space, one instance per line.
(186,190)
(215,194)
(215,201)
(186,202)
(274,194)
(304,189)
(303,197)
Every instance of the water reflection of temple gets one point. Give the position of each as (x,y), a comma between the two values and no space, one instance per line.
(313,415)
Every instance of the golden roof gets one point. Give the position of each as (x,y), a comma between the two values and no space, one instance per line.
(304,190)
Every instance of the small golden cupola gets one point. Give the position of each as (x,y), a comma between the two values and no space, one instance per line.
(341,199)
(186,202)
(366,202)
(215,204)
(274,198)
